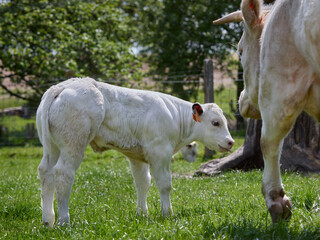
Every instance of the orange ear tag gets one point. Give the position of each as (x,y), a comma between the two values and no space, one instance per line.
(196,116)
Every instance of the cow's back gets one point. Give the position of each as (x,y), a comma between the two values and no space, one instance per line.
(76,112)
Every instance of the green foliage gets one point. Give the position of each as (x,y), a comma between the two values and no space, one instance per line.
(103,203)
(178,35)
(45,42)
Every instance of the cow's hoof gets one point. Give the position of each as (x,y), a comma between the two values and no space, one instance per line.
(280,207)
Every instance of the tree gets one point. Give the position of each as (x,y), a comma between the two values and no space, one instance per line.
(178,35)
(44,42)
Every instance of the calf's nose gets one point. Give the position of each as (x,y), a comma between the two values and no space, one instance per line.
(230,143)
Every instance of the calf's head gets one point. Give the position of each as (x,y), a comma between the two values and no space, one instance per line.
(211,127)
(189,152)
(253,16)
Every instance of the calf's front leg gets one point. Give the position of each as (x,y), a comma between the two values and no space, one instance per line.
(160,171)
(142,180)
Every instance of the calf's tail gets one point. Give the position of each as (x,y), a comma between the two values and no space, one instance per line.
(42,116)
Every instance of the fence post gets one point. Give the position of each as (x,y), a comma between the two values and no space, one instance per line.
(30,131)
(208,92)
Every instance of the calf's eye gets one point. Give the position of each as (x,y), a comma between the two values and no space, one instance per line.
(215,123)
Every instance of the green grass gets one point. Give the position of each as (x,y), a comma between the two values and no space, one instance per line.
(102,204)
(14,131)
(8,102)
(15,122)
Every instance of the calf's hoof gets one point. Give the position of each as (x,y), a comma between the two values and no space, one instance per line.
(142,212)
(48,221)
(167,212)
(63,221)
(280,206)
(48,224)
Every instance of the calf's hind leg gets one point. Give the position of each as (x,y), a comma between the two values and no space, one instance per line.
(64,172)
(72,147)
(46,174)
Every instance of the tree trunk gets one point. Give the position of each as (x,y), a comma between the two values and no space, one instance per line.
(301,150)
(240,86)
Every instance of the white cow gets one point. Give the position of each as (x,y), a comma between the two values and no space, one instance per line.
(280,50)
(189,152)
(147,127)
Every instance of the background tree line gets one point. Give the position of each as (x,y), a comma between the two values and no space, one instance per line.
(44,42)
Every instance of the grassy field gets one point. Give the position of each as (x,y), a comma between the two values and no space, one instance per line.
(102,204)
(7,101)
(103,200)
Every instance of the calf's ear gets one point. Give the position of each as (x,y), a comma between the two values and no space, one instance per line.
(251,11)
(196,112)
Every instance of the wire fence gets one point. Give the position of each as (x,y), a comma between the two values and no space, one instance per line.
(18,125)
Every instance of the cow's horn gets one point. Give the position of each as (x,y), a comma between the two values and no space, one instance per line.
(232,17)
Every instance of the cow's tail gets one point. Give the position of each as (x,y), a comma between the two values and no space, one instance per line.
(43,116)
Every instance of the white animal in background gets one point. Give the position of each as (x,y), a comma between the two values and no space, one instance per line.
(190,151)
(147,127)
(280,50)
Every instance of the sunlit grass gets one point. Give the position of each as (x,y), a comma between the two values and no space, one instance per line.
(102,204)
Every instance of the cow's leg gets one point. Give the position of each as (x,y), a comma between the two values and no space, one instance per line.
(64,172)
(142,180)
(160,170)
(46,174)
(274,130)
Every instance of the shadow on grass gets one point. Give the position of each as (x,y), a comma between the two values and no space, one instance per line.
(250,230)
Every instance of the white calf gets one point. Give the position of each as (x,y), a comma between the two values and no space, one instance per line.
(147,127)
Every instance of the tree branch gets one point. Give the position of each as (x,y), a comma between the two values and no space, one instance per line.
(14,94)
